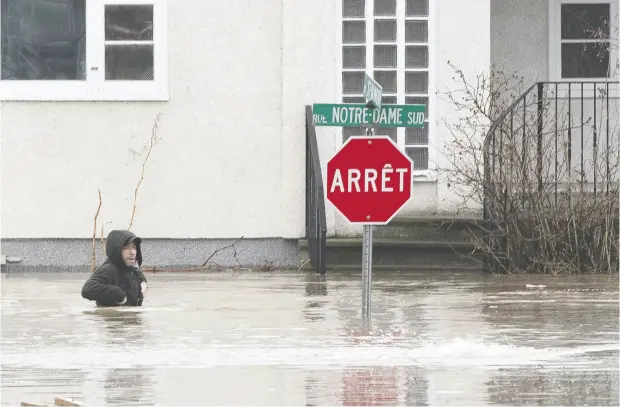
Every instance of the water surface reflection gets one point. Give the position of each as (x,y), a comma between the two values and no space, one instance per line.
(297,339)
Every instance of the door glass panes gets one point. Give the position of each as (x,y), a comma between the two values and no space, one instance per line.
(416,82)
(416,136)
(385,30)
(416,56)
(416,8)
(353,32)
(385,57)
(354,57)
(387,79)
(385,8)
(416,31)
(353,8)
(399,61)
(353,82)
(419,155)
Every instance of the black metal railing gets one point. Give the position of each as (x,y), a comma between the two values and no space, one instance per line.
(316,226)
(551,150)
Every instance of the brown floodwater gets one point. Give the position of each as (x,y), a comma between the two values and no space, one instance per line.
(297,339)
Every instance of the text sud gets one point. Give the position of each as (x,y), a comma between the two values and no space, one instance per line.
(369,179)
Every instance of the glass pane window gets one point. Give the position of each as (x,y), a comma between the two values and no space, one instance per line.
(585,21)
(83,50)
(585,60)
(43,40)
(585,45)
(129,51)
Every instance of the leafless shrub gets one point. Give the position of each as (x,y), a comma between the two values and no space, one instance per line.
(547,177)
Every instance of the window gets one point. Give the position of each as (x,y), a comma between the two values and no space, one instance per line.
(83,50)
(583,40)
(390,39)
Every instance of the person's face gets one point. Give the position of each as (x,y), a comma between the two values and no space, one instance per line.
(129,254)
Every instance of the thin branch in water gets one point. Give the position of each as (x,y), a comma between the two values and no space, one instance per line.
(302,265)
(232,245)
(204,265)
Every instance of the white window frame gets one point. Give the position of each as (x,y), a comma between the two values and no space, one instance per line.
(430,174)
(555,51)
(95,87)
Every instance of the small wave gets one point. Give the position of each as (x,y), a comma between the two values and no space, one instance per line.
(457,352)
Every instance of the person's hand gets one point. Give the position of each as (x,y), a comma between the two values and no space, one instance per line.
(143,287)
(122,302)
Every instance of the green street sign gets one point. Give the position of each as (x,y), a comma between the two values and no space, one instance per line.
(372,91)
(357,115)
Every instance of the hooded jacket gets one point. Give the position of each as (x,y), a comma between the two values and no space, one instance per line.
(111,282)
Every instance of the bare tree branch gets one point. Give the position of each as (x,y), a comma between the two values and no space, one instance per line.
(94,265)
(152,142)
(232,245)
(545,160)
(207,263)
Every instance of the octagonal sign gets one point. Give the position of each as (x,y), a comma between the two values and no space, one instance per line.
(369,180)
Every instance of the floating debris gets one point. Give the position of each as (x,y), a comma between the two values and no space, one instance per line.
(58,401)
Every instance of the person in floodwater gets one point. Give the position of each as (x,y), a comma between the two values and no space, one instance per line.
(119,280)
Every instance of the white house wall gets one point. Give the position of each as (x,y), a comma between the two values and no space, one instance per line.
(467,47)
(311,75)
(520,39)
(230,162)
(220,149)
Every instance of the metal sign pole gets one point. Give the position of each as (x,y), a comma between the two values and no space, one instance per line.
(366,273)
(328,115)
(373,93)
(367,266)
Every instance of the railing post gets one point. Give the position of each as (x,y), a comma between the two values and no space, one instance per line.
(307,177)
(539,118)
(486,268)
(316,225)
(572,170)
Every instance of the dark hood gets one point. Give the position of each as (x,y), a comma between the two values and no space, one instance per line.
(115,242)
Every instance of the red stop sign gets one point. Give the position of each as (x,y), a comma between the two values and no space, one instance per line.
(369,180)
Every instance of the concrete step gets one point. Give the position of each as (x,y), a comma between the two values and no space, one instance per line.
(394,253)
(431,228)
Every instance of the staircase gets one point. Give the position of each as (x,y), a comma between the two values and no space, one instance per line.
(408,243)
